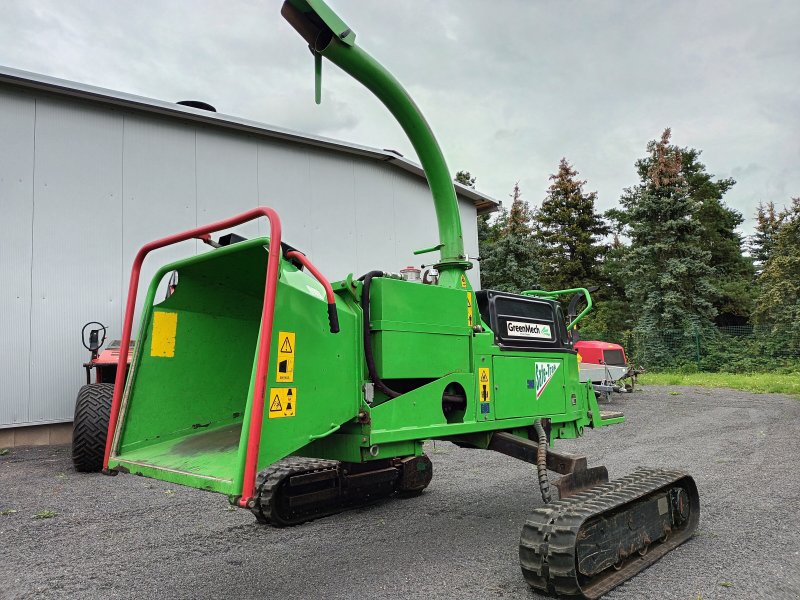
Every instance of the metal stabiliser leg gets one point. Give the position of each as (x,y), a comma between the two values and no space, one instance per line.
(295,490)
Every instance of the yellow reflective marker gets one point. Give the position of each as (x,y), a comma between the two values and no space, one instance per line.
(165,326)
(284,369)
(485,385)
(469,309)
(282,402)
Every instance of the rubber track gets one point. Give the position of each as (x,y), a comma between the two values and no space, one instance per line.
(90,426)
(547,548)
(268,484)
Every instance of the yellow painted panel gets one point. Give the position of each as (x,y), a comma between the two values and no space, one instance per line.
(165,326)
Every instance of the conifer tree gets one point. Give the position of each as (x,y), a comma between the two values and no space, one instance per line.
(511,265)
(487,233)
(668,270)
(768,221)
(779,283)
(570,232)
(733,273)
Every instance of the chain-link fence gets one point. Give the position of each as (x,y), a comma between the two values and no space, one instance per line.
(729,349)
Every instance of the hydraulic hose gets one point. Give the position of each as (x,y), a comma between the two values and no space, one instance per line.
(368,355)
(541,462)
(453,400)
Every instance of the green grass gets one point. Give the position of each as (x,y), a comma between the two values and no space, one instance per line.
(762,383)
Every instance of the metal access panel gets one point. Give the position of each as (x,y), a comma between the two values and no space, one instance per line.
(419,331)
(527,387)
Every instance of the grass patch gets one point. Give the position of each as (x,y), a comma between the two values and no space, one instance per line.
(762,383)
(45,514)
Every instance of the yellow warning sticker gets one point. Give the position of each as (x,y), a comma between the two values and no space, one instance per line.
(284,371)
(282,402)
(484,384)
(165,326)
(463,281)
(469,309)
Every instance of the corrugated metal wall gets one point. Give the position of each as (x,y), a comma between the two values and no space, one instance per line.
(83,186)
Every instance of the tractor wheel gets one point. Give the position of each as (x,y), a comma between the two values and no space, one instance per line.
(90,427)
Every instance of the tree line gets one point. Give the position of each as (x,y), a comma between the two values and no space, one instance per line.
(667,258)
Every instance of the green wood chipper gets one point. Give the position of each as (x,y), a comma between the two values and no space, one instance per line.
(299,398)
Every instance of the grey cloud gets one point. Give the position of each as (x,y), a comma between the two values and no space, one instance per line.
(509,86)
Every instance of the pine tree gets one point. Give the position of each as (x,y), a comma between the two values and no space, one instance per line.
(733,272)
(779,283)
(570,232)
(466,178)
(486,231)
(668,270)
(511,263)
(768,221)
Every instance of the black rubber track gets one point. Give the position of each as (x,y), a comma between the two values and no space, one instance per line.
(90,427)
(274,487)
(547,548)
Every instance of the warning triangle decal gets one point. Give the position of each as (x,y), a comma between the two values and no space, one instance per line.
(286,346)
(276,404)
(484,376)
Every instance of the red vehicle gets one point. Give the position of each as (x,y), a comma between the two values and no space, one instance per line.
(103,362)
(606,366)
(601,353)
(94,398)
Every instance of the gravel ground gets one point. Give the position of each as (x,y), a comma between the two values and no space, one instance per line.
(128,537)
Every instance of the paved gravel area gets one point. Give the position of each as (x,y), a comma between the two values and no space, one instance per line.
(129,537)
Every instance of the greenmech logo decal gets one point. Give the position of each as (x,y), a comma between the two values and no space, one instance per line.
(529,330)
(544,372)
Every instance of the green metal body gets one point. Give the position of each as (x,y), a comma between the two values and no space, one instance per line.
(185,411)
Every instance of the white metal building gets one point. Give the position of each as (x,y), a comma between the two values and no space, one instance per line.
(88,175)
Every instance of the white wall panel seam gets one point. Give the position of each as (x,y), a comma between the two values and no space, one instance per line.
(30,300)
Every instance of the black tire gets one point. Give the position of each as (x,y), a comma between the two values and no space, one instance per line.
(90,426)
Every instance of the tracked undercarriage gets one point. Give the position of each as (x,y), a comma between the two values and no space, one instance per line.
(598,535)
(296,490)
(587,544)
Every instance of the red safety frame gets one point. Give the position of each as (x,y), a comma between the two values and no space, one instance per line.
(267,316)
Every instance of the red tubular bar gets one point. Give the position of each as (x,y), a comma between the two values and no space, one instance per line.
(265,340)
(299,256)
(303,259)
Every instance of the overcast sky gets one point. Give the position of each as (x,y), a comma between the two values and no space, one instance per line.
(509,87)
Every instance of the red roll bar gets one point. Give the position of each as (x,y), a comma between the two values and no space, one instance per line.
(267,314)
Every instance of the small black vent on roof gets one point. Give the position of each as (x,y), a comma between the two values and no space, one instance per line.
(198,104)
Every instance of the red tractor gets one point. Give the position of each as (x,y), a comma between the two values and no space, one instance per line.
(92,407)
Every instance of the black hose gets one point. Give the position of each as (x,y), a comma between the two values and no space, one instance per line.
(371,369)
(454,400)
(541,462)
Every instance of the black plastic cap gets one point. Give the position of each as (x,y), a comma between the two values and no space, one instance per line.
(333,318)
